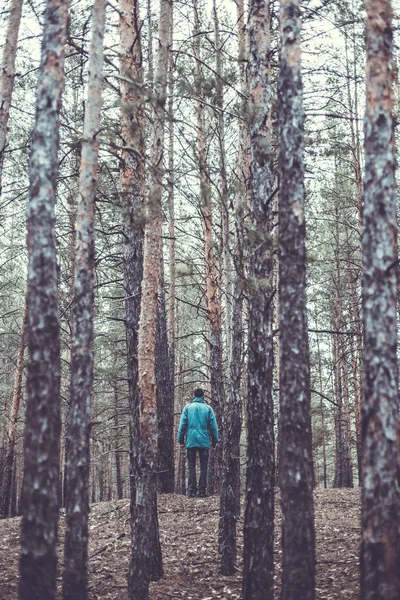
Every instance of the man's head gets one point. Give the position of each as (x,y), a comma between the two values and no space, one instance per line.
(198,393)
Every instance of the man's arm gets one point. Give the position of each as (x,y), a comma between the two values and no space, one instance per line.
(213,427)
(183,425)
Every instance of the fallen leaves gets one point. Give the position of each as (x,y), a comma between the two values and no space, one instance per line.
(189,536)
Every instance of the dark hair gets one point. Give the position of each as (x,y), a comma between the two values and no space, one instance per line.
(198,393)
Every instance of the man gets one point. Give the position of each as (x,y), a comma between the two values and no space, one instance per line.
(197,428)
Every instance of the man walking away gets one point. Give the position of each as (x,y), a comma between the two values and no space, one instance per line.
(198,430)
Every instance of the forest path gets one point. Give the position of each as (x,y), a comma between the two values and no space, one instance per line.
(189,534)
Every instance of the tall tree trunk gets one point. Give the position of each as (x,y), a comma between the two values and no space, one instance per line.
(165,396)
(322,409)
(9,455)
(343,461)
(181,458)
(118,474)
(222,184)
(146,564)
(354,313)
(230,490)
(165,339)
(295,467)
(78,448)
(133,189)
(259,513)
(212,296)
(380,514)
(70,276)
(171,230)
(38,562)
(7,75)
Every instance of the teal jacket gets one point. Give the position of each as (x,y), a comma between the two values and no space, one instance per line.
(198,424)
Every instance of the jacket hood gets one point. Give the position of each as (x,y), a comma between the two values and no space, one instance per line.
(198,399)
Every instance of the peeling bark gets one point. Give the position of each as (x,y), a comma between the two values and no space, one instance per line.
(133,189)
(147,565)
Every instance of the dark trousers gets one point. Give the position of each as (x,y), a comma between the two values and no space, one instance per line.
(191,456)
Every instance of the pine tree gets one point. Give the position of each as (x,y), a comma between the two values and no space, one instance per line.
(258,551)
(380,515)
(78,449)
(38,563)
(295,458)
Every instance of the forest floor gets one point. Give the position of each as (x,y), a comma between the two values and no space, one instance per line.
(189,534)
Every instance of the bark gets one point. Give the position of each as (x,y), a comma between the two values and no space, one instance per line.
(355,319)
(14,492)
(70,276)
(296,467)
(133,186)
(165,397)
(180,453)
(353,275)
(230,490)
(259,512)
(7,75)
(118,474)
(222,184)
(212,296)
(78,448)
(343,459)
(322,409)
(147,563)
(380,513)
(9,454)
(165,339)
(171,229)
(244,133)
(38,562)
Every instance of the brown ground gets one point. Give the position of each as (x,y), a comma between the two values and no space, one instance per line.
(189,530)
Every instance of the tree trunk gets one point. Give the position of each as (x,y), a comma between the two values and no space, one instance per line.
(78,449)
(171,231)
(223,185)
(296,465)
(38,563)
(9,455)
(380,514)
(343,460)
(7,75)
(165,397)
(322,409)
(147,564)
(133,186)
(230,490)
(259,513)
(212,296)
(118,474)
(354,312)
